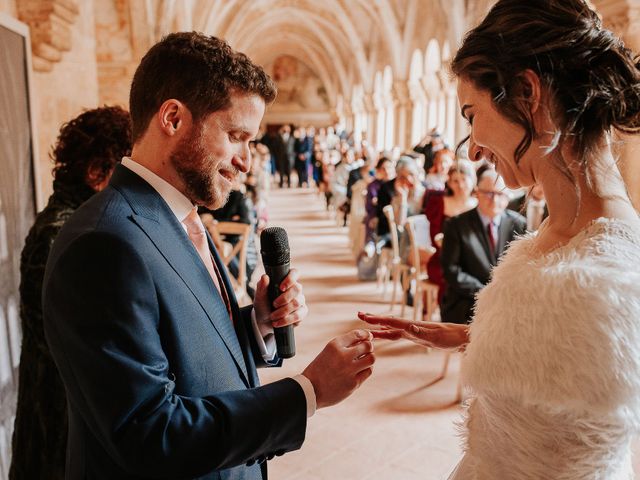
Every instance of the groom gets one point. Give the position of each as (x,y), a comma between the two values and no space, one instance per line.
(158,361)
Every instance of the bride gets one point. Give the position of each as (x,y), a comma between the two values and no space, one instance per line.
(552,356)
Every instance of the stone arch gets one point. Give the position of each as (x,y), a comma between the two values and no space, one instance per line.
(432,58)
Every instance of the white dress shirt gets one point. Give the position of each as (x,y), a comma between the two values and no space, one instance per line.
(181,206)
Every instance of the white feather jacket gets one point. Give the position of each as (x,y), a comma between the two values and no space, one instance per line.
(554,361)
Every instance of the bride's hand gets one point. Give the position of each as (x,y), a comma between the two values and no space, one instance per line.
(446,336)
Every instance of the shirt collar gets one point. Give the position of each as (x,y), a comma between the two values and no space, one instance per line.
(178,203)
(486,220)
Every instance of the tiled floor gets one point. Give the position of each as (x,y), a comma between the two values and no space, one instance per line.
(396,427)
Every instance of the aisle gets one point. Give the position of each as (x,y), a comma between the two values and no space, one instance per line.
(393,427)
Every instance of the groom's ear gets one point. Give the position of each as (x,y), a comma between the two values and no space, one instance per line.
(173,117)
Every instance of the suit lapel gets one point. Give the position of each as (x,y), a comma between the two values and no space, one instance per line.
(156,219)
(504,231)
(484,238)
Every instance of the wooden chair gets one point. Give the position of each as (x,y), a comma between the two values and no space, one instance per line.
(395,269)
(227,251)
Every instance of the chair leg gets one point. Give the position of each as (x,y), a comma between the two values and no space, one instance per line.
(394,275)
(388,274)
(417,301)
(406,285)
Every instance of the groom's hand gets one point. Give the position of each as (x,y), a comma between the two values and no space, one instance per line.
(344,364)
(289,308)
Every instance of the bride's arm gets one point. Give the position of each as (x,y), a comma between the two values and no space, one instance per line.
(446,336)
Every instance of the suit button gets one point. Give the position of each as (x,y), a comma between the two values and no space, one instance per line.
(251,462)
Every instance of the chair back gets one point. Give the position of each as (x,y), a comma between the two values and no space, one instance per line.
(417,229)
(421,230)
(393,230)
(218,230)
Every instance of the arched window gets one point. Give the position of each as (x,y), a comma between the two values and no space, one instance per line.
(418,124)
(378,98)
(389,120)
(432,65)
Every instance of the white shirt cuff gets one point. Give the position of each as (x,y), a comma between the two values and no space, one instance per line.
(309,393)
(265,338)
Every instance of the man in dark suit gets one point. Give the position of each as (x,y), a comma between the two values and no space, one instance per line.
(404,181)
(303,147)
(158,361)
(473,242)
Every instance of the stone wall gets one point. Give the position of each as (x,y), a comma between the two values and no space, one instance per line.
(69,87)
(64,82)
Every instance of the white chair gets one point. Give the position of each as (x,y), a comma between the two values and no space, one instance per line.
(417,229)
(395,269)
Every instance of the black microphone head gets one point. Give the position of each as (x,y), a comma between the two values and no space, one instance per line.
(274,246)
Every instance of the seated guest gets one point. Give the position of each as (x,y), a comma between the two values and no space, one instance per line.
(437,175)
(87,150)
(441,205)
(473,243)
(402,185)
(384,172)
(340,182)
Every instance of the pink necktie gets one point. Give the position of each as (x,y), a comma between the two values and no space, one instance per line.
(198,236)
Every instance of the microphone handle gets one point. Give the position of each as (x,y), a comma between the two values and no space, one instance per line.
(285,339)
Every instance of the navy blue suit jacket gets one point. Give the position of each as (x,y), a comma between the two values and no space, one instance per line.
(160,382)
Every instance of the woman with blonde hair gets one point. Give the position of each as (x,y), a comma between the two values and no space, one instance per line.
(552,357)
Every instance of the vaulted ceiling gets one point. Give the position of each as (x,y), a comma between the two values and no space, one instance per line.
(343,42)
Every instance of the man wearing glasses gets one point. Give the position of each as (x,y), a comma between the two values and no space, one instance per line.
(473,242)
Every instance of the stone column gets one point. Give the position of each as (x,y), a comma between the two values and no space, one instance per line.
(623,18)
(348,116)
(371,124)
(403,113)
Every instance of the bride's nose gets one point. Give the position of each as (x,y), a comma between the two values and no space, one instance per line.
(476,152)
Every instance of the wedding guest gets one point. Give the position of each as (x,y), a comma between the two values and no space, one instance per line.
(441,205)
(86,152)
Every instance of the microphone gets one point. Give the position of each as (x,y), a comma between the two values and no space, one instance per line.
(274,248)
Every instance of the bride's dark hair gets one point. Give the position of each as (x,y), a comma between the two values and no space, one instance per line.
(593,80)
